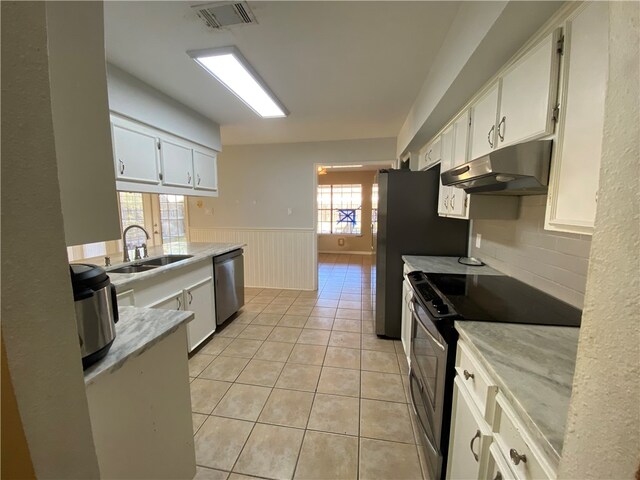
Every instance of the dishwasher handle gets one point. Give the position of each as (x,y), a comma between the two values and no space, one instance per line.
(227,256)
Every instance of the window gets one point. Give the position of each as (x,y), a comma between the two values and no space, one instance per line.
(340,209)
(172,218)
(132,213)
(374,208)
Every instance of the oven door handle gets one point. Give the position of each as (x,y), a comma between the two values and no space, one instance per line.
(433,339)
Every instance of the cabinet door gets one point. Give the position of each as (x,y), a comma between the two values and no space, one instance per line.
(470,438)
(460,140)
(483,124)
(435,154)
(528,94)
(576,164)
(135,155)
(498,469)
(177,165)
(199,299)
(446,159)
(205,169)
(126,299)
(175,301)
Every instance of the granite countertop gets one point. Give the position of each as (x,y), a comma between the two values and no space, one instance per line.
(434,264)
(200,251)
(137,330)
(533,366)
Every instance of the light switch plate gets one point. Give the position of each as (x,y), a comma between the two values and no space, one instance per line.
(478,240)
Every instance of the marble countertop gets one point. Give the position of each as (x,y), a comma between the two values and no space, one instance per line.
(137,330)
(434,264)
(533,366)
(199,251)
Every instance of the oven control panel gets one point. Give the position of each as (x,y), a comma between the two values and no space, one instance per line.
(428,297)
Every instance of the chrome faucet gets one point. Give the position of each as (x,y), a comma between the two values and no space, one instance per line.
(125,257)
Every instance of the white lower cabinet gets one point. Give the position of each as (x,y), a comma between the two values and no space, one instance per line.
(174,301)
(470,437)
(198,298)
(488,440)
(126,299)
(498,468)
(575,167)
(187,288)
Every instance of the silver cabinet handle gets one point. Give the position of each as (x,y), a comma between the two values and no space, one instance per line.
(453,201)
(468,375)
(490,134)
(501,127)
(190,298)
(179,303)
(498,476)
(516,458)
(189,178)
(475,437)
(199,179)
(121,166)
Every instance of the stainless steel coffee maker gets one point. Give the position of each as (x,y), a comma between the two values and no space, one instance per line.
(96,311)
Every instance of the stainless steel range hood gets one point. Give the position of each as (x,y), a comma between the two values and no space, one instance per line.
(521,169)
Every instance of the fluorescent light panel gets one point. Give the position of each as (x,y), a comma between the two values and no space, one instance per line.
(343,166)
(233,71)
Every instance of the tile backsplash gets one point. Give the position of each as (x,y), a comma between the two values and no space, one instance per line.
(554,262)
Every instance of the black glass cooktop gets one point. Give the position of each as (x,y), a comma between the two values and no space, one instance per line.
(499,298)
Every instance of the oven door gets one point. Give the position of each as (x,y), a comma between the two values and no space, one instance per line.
(432,454)
(429,352)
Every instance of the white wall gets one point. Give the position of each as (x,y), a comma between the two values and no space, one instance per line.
(550,261)
(481,39)
(258,186)
(602,438)
(38,318)
(259,183)
(133,98)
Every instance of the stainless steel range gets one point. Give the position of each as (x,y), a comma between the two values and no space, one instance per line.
(439,300)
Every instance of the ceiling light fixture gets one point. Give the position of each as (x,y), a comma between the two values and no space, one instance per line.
(343,166)
(231,69)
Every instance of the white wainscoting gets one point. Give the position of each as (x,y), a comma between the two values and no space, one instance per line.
(273,258)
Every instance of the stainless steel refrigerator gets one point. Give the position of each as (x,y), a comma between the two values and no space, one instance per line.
(408,224)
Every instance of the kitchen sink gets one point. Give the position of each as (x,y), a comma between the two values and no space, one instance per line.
(133,269)
(166,260)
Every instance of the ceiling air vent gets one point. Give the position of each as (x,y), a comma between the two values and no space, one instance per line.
(225,14)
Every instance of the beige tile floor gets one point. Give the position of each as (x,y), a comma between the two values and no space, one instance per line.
(298,386)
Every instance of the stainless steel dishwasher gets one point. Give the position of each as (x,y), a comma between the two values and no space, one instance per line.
(229,284)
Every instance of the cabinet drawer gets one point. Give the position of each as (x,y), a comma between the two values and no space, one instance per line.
(476,380)
(513,440)
(498,468)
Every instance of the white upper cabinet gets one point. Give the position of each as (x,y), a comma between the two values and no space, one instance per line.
(483,123)
(431,154)
(571,203)
(446,142)
(80,116)
(205,171)
(460,139)
(153,161)
(528,94)
(135,154)
(177,165)
(519,106)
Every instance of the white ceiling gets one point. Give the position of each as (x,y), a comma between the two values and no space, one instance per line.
(344,70)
